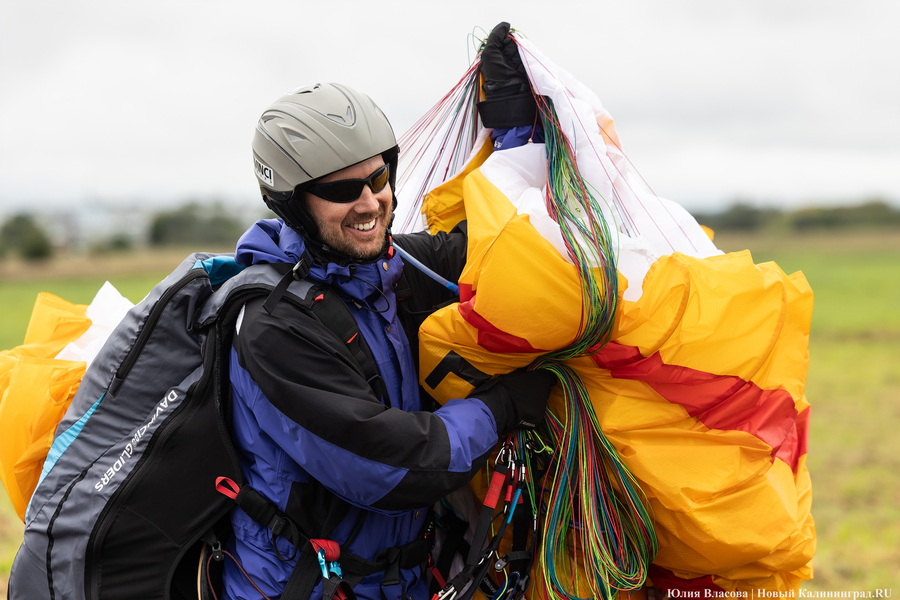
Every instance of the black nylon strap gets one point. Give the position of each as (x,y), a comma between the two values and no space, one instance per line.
(481,581)
(331,585)
(453,544)
(304,576)
(520,558)
(392,569)
(307,572)
(484,522)
(292,273)
(256,506)
(410,555)
(264,512)
(335,315)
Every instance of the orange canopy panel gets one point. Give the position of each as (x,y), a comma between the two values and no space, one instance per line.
(701,389)
(35,391)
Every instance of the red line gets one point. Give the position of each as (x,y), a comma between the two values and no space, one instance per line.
(618,171)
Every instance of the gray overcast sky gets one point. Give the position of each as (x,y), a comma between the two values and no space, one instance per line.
(779,101)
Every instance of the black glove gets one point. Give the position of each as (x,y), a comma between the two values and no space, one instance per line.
(508,98)
(517,399)
(501,65)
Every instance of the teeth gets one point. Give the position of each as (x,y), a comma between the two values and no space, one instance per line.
(364,226)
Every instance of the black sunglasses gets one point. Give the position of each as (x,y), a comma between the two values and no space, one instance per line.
(348,190)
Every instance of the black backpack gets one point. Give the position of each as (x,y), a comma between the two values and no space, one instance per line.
(127,502)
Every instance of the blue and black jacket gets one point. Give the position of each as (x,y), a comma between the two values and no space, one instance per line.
(316,441)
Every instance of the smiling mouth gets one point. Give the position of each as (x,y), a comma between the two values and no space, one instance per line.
(364,226)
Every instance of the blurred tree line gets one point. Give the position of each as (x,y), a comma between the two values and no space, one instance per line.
(26,235)
(745,217)
(21,235)
(194,224)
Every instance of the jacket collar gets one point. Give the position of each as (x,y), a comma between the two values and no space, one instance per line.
(271,241)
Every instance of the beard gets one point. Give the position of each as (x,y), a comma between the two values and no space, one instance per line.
(338,240)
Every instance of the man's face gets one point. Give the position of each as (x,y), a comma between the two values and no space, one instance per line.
(357,228)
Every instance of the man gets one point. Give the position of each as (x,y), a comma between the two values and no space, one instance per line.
(351,460)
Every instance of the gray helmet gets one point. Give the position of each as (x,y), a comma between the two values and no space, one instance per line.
(311,132)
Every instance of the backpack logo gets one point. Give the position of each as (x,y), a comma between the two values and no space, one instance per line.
(264,172)
(129,449)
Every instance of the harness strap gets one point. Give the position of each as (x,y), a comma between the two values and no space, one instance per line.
(290,273)
(520,557)
(307,570)
(390,560)
(504,478)
(335,315)
(498,480)
(454,543)
(304,576)
(262,511)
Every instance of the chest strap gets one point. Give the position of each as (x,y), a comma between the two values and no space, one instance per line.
(336,316)
(332,312)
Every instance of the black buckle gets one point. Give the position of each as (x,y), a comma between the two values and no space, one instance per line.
(217,554)
(301,269)
(277,527)
(335,588)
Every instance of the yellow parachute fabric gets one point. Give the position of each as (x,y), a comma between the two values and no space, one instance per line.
(700,390)
(35,391)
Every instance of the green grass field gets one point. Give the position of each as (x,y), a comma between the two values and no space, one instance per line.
(854,388)
(76,280)
(853,385)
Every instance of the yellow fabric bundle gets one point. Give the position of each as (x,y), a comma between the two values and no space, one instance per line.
(35,391)
(700,390)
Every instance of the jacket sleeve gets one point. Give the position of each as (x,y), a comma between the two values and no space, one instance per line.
(309,395)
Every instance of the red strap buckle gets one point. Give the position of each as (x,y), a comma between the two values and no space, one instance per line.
(498,478)
(437,576)
(331,549)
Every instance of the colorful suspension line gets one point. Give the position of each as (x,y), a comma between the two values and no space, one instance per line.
(454,121)
(597,514)
(593,513)
(586,234)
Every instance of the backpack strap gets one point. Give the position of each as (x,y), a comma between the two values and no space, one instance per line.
(297,272)
(352,569)
(336,316)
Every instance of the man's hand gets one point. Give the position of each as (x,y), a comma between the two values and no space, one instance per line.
(508,101)
(521,396)
(501,65)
